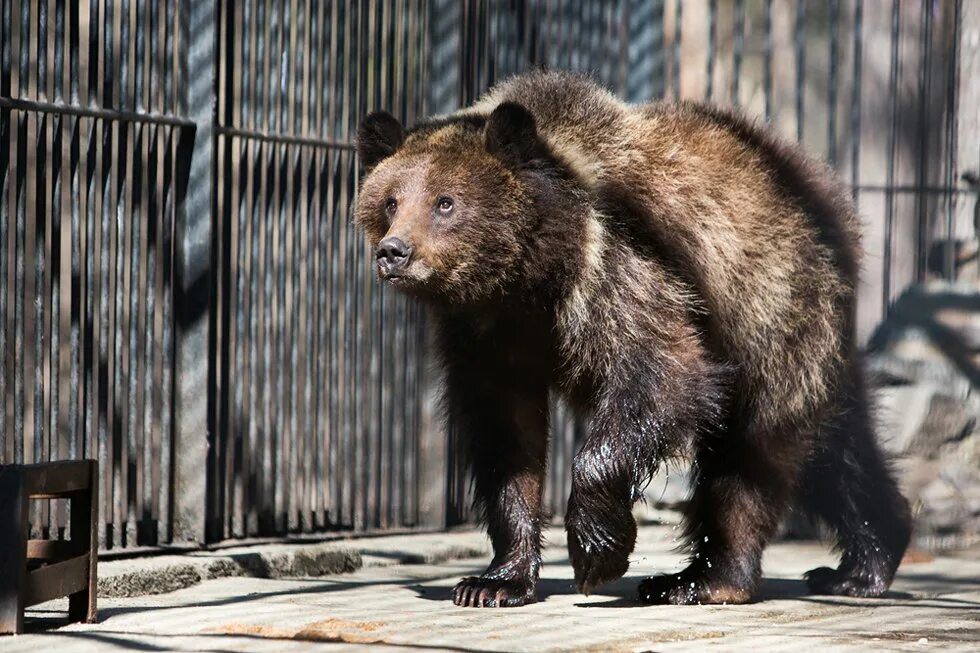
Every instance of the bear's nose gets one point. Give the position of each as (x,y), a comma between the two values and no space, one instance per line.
(393,253)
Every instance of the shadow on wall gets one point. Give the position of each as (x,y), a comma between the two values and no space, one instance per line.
(926,358)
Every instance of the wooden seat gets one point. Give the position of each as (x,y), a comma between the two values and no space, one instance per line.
(35,571)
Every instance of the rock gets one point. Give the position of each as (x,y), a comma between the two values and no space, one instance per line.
(925,361)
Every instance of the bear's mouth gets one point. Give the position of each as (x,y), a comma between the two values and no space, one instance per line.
(405,277)
(393,278)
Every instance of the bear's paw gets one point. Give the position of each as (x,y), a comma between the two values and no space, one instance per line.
(478,592)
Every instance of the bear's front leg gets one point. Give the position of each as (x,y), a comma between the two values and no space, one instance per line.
(608,474)
(504,432)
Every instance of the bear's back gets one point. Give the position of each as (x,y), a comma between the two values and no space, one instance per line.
(766,237)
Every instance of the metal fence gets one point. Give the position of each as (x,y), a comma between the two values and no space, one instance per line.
(319,369)
(90,149)
(182,295)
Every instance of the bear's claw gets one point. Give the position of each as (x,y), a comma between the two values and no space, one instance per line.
(597,566)
(477,592)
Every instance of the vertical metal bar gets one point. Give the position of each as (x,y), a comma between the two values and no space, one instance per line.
(263,373)
(129,263)
(352,466)
(45,303)
(27,262)
(10,242)
(84,136)
(832,80)
(857,45)
(277,219)
(893,95)
(94,308)
(140,325)
(675,76)
(306,290)
(709,90)
(921,199)
(800,66)
(382,309)
(218,372)
(168,354)
(8,193)
(246,285)
(329,329)
(247,349)
(153,339)
(952,97)
(68,429)
(289,334)
(7,19)
(262,406)
(62,426)
(767,62)
(298,81)
(148,333)
(114,159)
(238,419)
(738,49)
(320,35)
(23,447)
(154,516)
(222,462)
(44,257)
(268,257)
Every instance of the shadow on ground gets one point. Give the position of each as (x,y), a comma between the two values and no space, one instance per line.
(619,594)
(124,641)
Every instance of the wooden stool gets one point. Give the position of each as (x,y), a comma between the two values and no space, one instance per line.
(67,567)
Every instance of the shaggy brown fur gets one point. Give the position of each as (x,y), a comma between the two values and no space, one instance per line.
(683,278)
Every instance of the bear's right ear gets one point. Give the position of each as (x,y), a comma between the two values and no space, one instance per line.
(378,136)
(511,135)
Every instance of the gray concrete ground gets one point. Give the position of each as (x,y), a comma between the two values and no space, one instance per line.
(397,599)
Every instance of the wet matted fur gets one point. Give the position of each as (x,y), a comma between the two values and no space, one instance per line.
(685,279)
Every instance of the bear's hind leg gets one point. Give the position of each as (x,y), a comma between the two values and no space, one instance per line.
(742,486)
(848,485)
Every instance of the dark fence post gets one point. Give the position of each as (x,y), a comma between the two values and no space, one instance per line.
(193,272)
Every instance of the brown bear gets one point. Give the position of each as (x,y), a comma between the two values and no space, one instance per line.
(679,275)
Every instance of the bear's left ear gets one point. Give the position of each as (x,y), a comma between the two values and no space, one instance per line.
(511,135)
(378,136)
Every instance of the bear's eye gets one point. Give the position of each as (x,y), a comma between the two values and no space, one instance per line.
(444,204)
(390,205)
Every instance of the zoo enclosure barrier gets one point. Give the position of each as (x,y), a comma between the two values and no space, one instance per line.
(184,299)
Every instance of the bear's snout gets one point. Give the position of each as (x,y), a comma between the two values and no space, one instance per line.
(393,255)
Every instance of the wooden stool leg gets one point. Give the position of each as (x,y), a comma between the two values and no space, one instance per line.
(84,529)
(13,549)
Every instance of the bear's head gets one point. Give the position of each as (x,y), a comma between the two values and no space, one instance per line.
(450,207)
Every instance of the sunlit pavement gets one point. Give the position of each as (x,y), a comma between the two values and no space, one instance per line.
(934,605)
